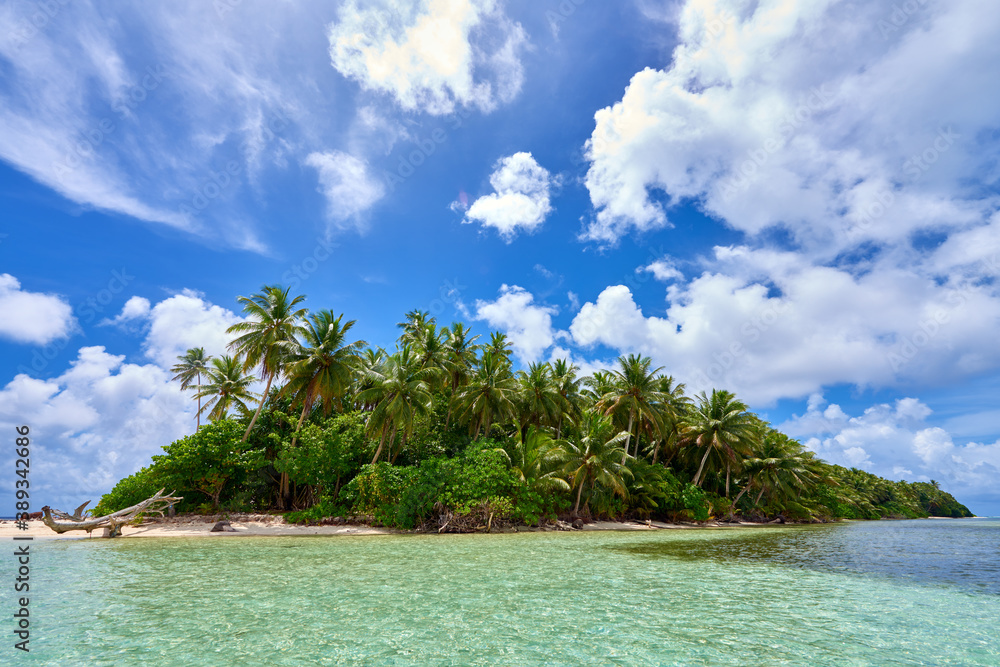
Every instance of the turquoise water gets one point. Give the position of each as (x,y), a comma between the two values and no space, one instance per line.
(879,593)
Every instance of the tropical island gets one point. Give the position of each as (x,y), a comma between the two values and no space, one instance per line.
(442,433)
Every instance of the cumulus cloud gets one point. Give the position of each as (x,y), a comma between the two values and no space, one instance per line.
(894,439)
(102,418)
(348,186)
(184,321)
(97,422)
(135,309)
(663,269)
(431,55)
(32,317)
(849,142)
(521,200)
(770,324)
(528,325)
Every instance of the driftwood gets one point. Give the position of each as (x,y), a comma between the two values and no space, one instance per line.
(63,522)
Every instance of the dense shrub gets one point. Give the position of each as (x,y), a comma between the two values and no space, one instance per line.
(129,491)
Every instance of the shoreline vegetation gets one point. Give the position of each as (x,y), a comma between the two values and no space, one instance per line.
(441,434)
(275,525)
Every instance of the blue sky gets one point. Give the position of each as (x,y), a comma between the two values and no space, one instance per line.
(796,201)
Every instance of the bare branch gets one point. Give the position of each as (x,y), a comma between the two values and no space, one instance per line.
(64,522)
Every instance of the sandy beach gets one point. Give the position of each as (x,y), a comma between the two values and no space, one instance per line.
(276,526)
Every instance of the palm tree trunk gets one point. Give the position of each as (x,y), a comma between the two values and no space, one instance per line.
(732,508)
(197,417)
(381,442)
(727,479)
(402,443)
(697,478)
(740,495)
(302,418)
(267,388)
(759,495)
(628,438)
(576,508)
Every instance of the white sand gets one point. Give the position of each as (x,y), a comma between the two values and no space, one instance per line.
(191,528)
(198,527)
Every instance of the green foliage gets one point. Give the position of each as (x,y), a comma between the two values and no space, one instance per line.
(406,496)
(326,454)
(630,444)
(206,462)
(458,484)
(129,491)
(696,502)
(377,489)
(324,508)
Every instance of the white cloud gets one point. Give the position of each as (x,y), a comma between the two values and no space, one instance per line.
(770,325)
(574,300)
(102,418)
(527,325)
(521,200)
(178,132)
(99,421)
(184,321)
(348,186)
(891,440)
(32,317)
(431,55)
(871,136)
(136,308)
(663,269)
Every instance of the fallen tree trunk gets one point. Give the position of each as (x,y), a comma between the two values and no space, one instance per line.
(64,522)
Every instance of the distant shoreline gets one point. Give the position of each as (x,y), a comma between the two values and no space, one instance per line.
(275,525)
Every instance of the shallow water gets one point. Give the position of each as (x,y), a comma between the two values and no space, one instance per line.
(880,593)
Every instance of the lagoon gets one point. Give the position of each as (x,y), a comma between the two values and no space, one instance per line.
(858,593)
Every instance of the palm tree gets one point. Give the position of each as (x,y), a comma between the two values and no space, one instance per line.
(227,386)
(370,360)
(399,390)
(323,367)
(429,344)
(635,389)
(720,424)
(461,353)
(269,337)
(778,467)
(672,412)
(538,399)
(534,459)
(489,395)
(597,385)
(416,322)
(568,387)
(191,367)
(598,457)
(500,346)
